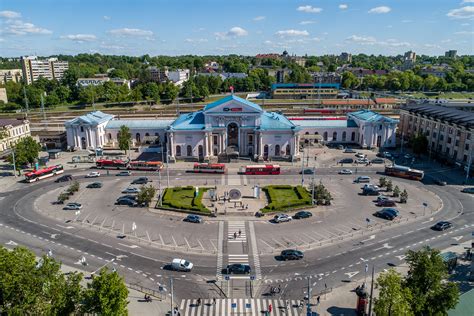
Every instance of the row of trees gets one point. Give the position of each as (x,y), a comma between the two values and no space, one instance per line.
(38,287)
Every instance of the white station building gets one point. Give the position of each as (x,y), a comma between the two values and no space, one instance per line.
(234,127)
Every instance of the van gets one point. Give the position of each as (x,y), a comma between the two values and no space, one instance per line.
(181,265)
(362,179)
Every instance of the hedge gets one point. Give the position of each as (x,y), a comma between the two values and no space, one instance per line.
(302,198)
(186,202)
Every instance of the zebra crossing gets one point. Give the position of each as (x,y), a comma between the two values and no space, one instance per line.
(236,232)
(241,306)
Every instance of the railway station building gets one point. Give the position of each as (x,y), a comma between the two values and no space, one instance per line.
(233,127)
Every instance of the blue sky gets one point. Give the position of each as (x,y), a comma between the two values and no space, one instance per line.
(248,27)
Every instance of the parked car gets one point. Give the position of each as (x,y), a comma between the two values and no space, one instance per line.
(382,198)
(64,178)
(181,265)
(362,179)
(124,174)
(387,213)
(93,174)
(94,185)
(371,186)
(443,225)
(408,156)
(468,190)
(340,147)
(307,171)
(349,151)
(345,171)
(362,161)
(291,254)
(131,190)
(386,203)
(127,202)
(191,218)
(141,180)
(377,161)
(440,182)
(302,214)
(279,218)
(346,160)
(360,155)
(238,268)
(370,191)
(130,197)
(72,206)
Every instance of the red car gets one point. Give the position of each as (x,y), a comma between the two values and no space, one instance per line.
(386,203)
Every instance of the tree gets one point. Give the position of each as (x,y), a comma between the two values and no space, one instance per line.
(427,281)
(170,92)
(322,195)
(124,137)
(382,181)
(394,298)
(404,196)
(146,195)
(389,185)
(106,295)
(396,191)
(419,143)
(26,151)
(349,80)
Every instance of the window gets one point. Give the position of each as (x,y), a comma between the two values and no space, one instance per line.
(277,150)
(325,136)
(441,137)
(456,143)
(250,140)
(449,140)
(466,147)
(334,136)
(464,159)
(288,150)
(434,134)
(344,136)
(214,139)
(178,151)
(468,136)
(380,127)
(353,136)
(189,151)
(82,129)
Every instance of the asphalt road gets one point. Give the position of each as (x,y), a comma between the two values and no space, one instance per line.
(141,264)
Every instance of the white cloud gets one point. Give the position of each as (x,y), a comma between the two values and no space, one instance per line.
(2,40)
(307,22)
(343,6)
(80,38)
(462,13)
(18,27)
(196,40)
(380,10)
(362,39)
(259,18)
(407,21)
(466,24)
(106,17)
(309,9)
(236,31)
(432,46)
(292,33)
(468,1)
(370,40)
(464,33)
(131,32)
(10,14)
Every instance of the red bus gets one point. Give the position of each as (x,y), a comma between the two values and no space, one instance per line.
(145,165)
(43,173)
(209,168)
(262,169)
(111,164)
(404,172)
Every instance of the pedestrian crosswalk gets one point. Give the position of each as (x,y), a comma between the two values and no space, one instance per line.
(236,232)
(241,306)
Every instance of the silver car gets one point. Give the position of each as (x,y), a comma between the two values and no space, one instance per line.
(279,218)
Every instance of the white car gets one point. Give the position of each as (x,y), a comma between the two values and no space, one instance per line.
(371,187)
(279,218)
(362,161)
(181,265)
(360,155)
(345,171)
(93,174)
(72,206)
(131,190)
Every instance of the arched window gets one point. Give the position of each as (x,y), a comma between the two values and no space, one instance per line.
(178,151)
(200,151)
(316,133)
(110,136)
(137,137)
(325,136)
(334,136)
(288,150)
(189,151)
(344,136)
(307,133)
(147,134)
(265,151)
(353,136)
(277,150)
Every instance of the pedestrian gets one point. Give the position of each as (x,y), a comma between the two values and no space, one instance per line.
(270,308)
(318,299)
(240,232)
(214,301)
(235,235)
(287,304)
(279,288)
(198,302)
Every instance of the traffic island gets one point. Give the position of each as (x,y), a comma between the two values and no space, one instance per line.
(184,199)
(286,198)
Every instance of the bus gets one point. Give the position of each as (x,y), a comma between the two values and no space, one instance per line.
(39,174)
(111,164)
(209,168)
(145,165)
(262,169)
(404,172)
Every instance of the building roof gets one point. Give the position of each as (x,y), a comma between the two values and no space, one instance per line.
(189,121)
(465,305)
(139,124)
(92,118)
(324,123)
(370,116)
(275,121)
(7,122)
(233,98)
(455,116)
(304,85)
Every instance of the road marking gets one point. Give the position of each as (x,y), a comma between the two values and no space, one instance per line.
(350,275)
(430,220)
(457,238)
(11,243)
(384,246)
(129,246)
(370,238)
(401,257)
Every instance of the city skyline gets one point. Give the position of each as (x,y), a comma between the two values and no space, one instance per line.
(183,27)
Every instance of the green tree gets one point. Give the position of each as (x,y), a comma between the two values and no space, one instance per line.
(170,92)
(382,181)
(26,151)
(146,195)
(389,185)
(124,138)
(404,196)
(349,80)
(419,144)
(106,295)
(396,191)
(88,95)
(394,298)
(427,281)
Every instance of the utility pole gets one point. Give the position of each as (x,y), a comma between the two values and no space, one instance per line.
(309,312)
(302,169)
(14,163)
(371,291)
(26,101)
(167,169)
(171,287)
(42,107)
(312,192)
(468,167)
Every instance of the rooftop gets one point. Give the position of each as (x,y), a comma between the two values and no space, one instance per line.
(327,123)
(139,124)
(459,117)
(275,121)
(92,118)
(189,121)
(370,116)
(232,98)
(7,122)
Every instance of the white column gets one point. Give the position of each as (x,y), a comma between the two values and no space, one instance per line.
(206,144)
(261,144)
(171,145)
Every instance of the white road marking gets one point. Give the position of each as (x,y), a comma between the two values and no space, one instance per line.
(350,275)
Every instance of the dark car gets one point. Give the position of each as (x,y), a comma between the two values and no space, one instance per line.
(468,190)
(443,225)
(291,254)
(387,213)
(349,151)
(307,171)
(370,191)
(126,202)
(123,174)
(238,268)
(130,197)
(346,160)
(141,180)
(377,160)
(94,185)
(302,214)
(386,203)
(440,182)
(193,219)
(65,178)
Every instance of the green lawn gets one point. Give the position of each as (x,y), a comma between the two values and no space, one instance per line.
(183,198)
(285,198)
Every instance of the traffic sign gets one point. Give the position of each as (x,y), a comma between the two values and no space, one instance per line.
(252,277)
(233,305)
(248,305)
(227,278)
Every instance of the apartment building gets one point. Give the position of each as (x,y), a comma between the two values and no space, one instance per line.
(450,132)
(51,68)
(10,75)
(14,131)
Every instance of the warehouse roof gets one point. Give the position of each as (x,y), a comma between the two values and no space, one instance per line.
(370,116)
(455,116)
(92,118)
(139,124)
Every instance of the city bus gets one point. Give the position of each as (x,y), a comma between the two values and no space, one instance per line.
(145,165)
(40,174)
(262,169)
(404,172)
(111,164)
(209,168)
